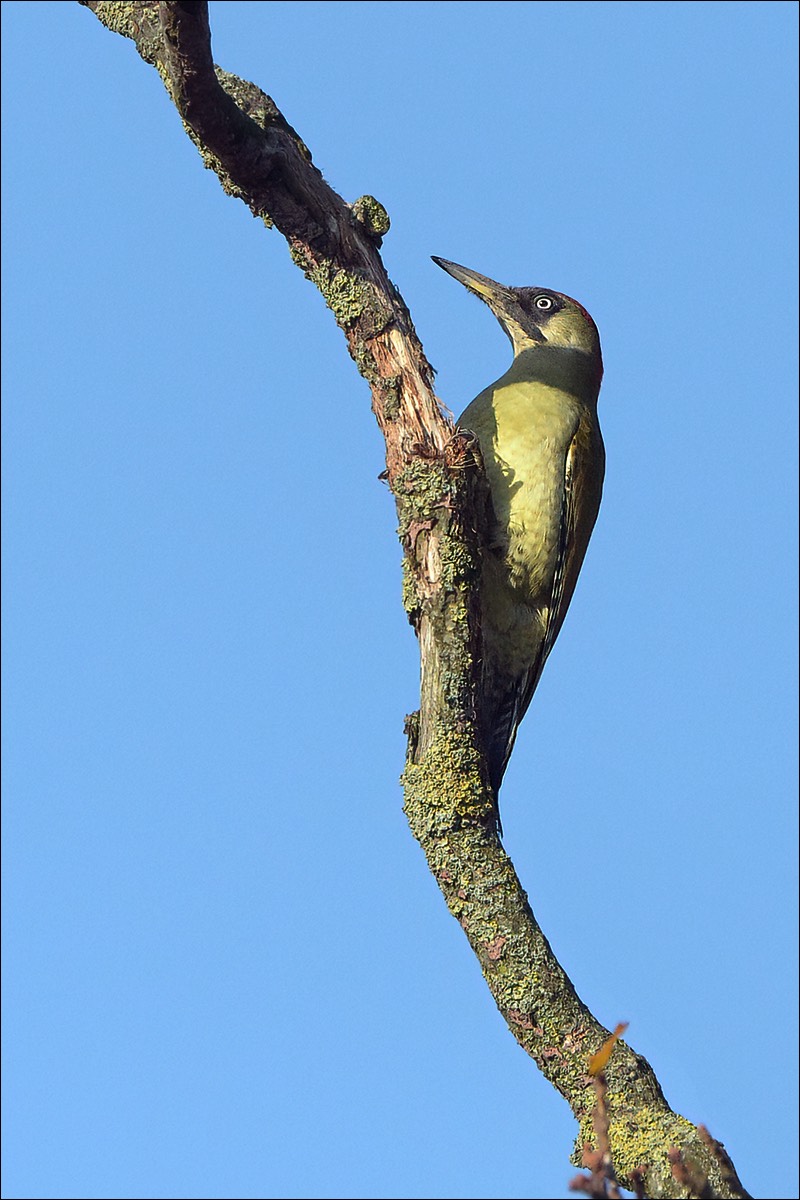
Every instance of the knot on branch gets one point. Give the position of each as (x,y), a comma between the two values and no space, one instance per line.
(463,451)
(370,213)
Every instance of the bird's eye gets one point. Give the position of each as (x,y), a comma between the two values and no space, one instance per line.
(543,303)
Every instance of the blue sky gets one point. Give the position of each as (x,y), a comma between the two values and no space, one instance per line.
(228,972)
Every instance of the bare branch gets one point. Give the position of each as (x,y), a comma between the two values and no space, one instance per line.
(259,158)
(438,482)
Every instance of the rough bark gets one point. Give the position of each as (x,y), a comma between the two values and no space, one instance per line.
(440,490)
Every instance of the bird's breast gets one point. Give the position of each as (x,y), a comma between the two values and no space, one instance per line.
(524,430)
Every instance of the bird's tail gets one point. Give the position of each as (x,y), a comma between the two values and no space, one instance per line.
(504,705)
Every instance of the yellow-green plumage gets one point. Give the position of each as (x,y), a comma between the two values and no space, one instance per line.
(540,439)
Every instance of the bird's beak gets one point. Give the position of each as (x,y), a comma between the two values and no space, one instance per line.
(495,294)
(501,300)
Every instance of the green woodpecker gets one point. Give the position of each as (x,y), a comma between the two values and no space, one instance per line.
(541,445)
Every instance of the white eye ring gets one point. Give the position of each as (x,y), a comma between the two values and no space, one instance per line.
(543,302)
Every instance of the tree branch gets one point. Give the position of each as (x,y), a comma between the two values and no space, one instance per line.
(442,500)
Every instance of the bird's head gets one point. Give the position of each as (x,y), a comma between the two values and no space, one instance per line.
(531,316)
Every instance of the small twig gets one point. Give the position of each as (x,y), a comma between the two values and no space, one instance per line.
(696,1180)
(602,1180)
(637,1179)
(727,1169)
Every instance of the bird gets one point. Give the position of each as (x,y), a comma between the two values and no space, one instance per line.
(539,437)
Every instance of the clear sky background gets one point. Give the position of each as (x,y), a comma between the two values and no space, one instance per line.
(229,972)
